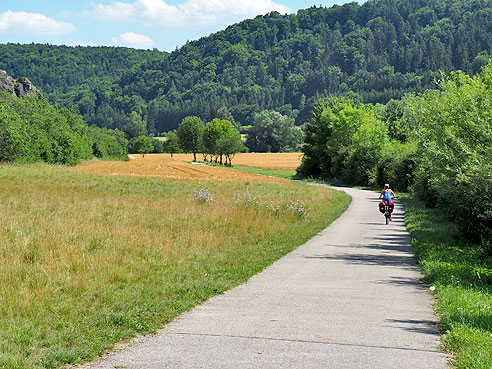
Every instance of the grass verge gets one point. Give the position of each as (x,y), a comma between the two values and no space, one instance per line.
(461,273)
(88,260)
(281,173)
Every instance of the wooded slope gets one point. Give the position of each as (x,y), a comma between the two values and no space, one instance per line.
(375,51)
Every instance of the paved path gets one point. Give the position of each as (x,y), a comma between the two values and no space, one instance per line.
(348,298)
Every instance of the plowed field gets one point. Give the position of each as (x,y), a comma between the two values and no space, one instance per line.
(164,166)
(256,160)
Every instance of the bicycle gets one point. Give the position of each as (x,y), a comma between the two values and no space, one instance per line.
(386,207)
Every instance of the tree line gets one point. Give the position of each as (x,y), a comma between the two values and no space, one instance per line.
(371,53)
(32,130)
(219,140)
(437,144)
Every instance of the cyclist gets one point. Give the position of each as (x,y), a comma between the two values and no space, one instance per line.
(387,195)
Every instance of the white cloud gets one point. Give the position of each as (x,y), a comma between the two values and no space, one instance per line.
(135,40)
(188,12)
(24,22)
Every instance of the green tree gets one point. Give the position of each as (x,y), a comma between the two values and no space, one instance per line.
(369,138)
(224,114)
(392,114)
(142,145)
(15,145)
(107,143)
(230,145)
(33,130)
(272,132)
(171,144)
(158,146)
(135,127)
(214,131)
(190,134)
(343,140)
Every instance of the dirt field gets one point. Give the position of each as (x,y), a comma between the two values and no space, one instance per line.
(160,165)
(256,160)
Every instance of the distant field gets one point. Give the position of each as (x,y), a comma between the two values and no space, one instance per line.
(160,165)
(87,261)
(256,160)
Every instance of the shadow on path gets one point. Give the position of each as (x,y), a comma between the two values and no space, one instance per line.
(369,259)
(403,281)
(420,326)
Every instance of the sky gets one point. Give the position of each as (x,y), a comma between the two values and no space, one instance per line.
(143,24)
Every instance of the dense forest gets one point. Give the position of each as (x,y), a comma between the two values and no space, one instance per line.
(57,70)
(371,53)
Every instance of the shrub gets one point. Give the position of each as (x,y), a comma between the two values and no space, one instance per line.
(453,129)
(33,130)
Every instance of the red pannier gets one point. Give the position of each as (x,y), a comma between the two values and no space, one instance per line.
(381,207)
(390,204)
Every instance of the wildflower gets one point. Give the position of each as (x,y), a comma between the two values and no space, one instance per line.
(203,196)
(298,208)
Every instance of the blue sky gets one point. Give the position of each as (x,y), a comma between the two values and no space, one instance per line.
(147,24)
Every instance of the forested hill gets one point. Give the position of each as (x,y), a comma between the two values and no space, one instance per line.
(375,51)
(59,69)
(378,50)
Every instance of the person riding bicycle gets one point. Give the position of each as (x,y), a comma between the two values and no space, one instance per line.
(387,196)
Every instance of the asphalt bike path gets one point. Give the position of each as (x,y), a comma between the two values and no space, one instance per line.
(348,298)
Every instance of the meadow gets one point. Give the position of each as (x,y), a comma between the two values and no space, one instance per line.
(91,260)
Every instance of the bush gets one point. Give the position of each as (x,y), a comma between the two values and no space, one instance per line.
(32,130)
(453,129)
(15,142)
(445,157)
(108,144)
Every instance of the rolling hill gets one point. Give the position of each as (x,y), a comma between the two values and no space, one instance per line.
(372,52)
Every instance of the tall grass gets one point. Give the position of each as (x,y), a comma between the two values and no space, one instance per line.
(461,273)
(282,173)
(87,261)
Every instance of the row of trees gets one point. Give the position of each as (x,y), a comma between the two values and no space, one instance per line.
(437,144)
(270,132)
(217,140)
(33,130)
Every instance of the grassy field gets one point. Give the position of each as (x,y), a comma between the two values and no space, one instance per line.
(277,173)
(461,273)
(90,260)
